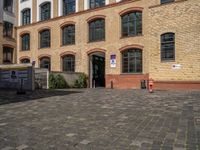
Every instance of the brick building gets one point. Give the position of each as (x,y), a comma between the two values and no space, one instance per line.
(7,31)
(118,41)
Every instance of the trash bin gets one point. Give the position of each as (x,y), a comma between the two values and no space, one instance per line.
(143,84)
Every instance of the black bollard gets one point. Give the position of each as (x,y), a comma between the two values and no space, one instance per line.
(21,91)
(111,84)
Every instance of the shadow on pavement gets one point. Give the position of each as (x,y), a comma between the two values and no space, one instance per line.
(7,97)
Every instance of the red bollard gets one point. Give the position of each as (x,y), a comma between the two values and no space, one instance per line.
(151,85)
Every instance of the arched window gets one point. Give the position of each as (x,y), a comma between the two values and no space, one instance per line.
(69,63)
(25,61)
(132,24)
(45,62)
(68,35)
(96,3)
(25,38)
(132,61)
(45,11)
(26,16)
(168,46)
(166,1)
(97,30)
(45,38)
(69,6)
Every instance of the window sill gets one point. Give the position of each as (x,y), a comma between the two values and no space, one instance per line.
(25,50)
(96,41)
(44,48)
(132,73)
(68,45)
(131,36)
(167,61)
(169,3)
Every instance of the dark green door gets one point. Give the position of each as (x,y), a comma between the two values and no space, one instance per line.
(98,66)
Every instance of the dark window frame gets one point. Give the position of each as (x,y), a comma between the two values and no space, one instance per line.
(25,42)
(135,55)
(25,61)
(7,29)
(45,38)
(68,34)
(26,16)
(97,30)
(166,1)
(133,25)
(167,46)
(69,6)
(45,11)
(96,3)
(45,62)
(68,63)
(8,5)
(8,55)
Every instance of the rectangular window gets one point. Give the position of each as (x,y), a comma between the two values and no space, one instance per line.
(7,55)
(96,3)
(7,29)
(166,1)
(69,6)
(8,5)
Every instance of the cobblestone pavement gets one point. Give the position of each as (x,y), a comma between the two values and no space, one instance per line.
(100,119)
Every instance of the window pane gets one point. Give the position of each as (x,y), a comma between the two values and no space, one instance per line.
(69,63)
(97,30)
(168,46)
(132,61)
(7,54)
(132,24)
(68,34)
(45,39)
(45,63)
(26,17)
(45,11)
(69,6)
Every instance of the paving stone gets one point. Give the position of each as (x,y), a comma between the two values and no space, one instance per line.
(99,119)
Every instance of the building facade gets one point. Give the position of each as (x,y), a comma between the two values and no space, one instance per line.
(7,31)
(116,43)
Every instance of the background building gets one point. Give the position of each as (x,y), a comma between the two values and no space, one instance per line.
(123,42)
(7,31)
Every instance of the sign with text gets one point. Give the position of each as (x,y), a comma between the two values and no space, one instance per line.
(113,61)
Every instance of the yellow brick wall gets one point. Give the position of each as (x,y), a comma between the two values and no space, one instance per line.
(112,44)
(182,18)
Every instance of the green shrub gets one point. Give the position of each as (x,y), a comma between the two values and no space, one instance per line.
(60,82)
(81,82)
(52,81)
(57,82)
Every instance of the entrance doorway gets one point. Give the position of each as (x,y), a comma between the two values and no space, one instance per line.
(97,70)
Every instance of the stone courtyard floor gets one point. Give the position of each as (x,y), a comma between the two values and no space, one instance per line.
(100,119)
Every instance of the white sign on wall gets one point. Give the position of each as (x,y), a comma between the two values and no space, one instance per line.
(113,61)
(176,66)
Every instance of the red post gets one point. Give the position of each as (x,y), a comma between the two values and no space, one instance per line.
(150,85)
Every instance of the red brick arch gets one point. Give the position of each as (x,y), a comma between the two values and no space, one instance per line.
(24,57)
(131,9)
(131,46)
(24,32)
(44,55)
(67,53)
(95,17)
(96,50)
(67,23)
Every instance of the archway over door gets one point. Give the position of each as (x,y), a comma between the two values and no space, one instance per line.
(97,69)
